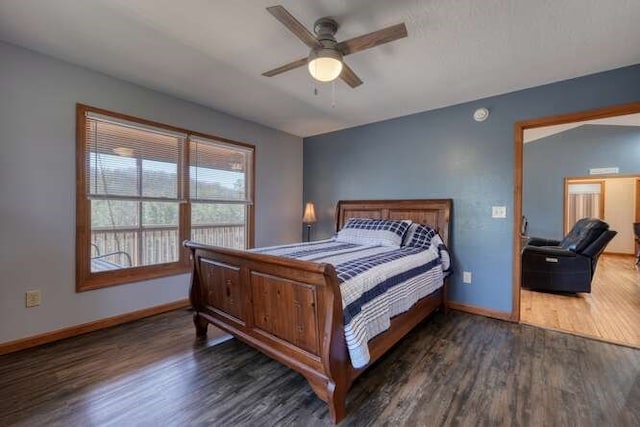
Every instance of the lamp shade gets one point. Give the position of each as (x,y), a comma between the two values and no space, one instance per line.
(309,213)
(325,65)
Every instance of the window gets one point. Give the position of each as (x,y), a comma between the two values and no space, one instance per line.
(143,188)
(584,199)
(219,192)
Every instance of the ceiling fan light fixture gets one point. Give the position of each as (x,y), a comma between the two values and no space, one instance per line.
(325,60)
(325,65)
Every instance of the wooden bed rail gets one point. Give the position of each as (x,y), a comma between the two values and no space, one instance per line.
(289,309)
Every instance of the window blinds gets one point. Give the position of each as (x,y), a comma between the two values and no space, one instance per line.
(131,161)
(219,172)
(140,182)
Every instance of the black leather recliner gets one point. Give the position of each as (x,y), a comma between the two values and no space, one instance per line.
(567,265)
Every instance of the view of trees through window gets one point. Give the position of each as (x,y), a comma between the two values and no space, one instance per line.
(122,174)
(145,232)
(135,193)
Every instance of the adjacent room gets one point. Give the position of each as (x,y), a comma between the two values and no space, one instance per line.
(319,212)
(565,180)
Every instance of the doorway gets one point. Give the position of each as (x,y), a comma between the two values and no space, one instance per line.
(579,195)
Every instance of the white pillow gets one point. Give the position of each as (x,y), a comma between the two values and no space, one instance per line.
(367,231)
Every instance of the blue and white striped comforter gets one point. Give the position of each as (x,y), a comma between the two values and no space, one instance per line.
(376,282)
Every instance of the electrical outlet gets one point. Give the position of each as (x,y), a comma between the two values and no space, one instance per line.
(466,277)
(33,298)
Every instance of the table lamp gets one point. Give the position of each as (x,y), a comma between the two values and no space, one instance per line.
(308,218)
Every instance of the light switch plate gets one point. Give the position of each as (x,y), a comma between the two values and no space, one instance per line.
(466,277)
(498,211)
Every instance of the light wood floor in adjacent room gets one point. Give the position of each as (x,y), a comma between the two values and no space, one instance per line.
(454,369)
(611,312)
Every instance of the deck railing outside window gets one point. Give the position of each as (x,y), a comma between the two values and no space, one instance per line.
(161,243)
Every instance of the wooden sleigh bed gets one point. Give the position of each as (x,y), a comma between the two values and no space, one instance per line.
(291,310)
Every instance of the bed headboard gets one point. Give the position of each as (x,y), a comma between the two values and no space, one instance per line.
(433,212)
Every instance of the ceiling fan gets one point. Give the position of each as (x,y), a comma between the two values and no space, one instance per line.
(325,61)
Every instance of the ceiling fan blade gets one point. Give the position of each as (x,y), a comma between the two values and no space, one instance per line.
(287,19)
(376,38)
(290,66)
(349,77)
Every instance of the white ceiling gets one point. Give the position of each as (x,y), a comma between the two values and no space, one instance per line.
(535,134)
(213,52)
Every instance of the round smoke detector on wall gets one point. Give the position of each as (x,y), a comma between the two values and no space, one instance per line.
(481,114)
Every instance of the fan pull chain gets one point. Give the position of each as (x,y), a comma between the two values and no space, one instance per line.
(315,83)
(333,94)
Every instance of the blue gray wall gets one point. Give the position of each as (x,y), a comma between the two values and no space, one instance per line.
(549,160)
(444,153)
(38,96)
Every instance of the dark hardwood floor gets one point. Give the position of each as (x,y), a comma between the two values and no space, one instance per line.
(454,369)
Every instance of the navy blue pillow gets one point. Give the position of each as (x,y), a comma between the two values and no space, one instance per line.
(421,237)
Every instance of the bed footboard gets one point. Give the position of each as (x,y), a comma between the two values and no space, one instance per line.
(289,309)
